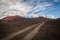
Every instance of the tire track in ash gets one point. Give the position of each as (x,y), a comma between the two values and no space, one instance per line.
(19,32)
(33,33)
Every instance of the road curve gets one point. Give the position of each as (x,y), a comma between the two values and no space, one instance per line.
(19,32)
(30,35)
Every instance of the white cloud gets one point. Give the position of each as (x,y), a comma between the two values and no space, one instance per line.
(50,16)
(23,7)
(42,7)
(33,15)
(20,6)
(56,0)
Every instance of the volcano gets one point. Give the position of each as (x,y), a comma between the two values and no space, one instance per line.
(10,18)
(22,19)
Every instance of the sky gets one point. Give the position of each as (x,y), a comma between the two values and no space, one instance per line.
(30,8)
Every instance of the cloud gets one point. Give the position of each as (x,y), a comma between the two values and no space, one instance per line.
(56,0)
(20,6)
(50,16)
(41,7)
(8,7)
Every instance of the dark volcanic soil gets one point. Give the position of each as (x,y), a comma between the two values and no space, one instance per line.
(49,31)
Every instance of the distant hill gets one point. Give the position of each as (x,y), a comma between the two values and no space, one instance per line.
(20,19)
(10,18)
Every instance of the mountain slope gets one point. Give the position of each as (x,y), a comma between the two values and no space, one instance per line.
(10,18)
(13,24)
(49,31)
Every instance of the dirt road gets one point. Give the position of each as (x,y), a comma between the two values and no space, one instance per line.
(19,32)
(33,33)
